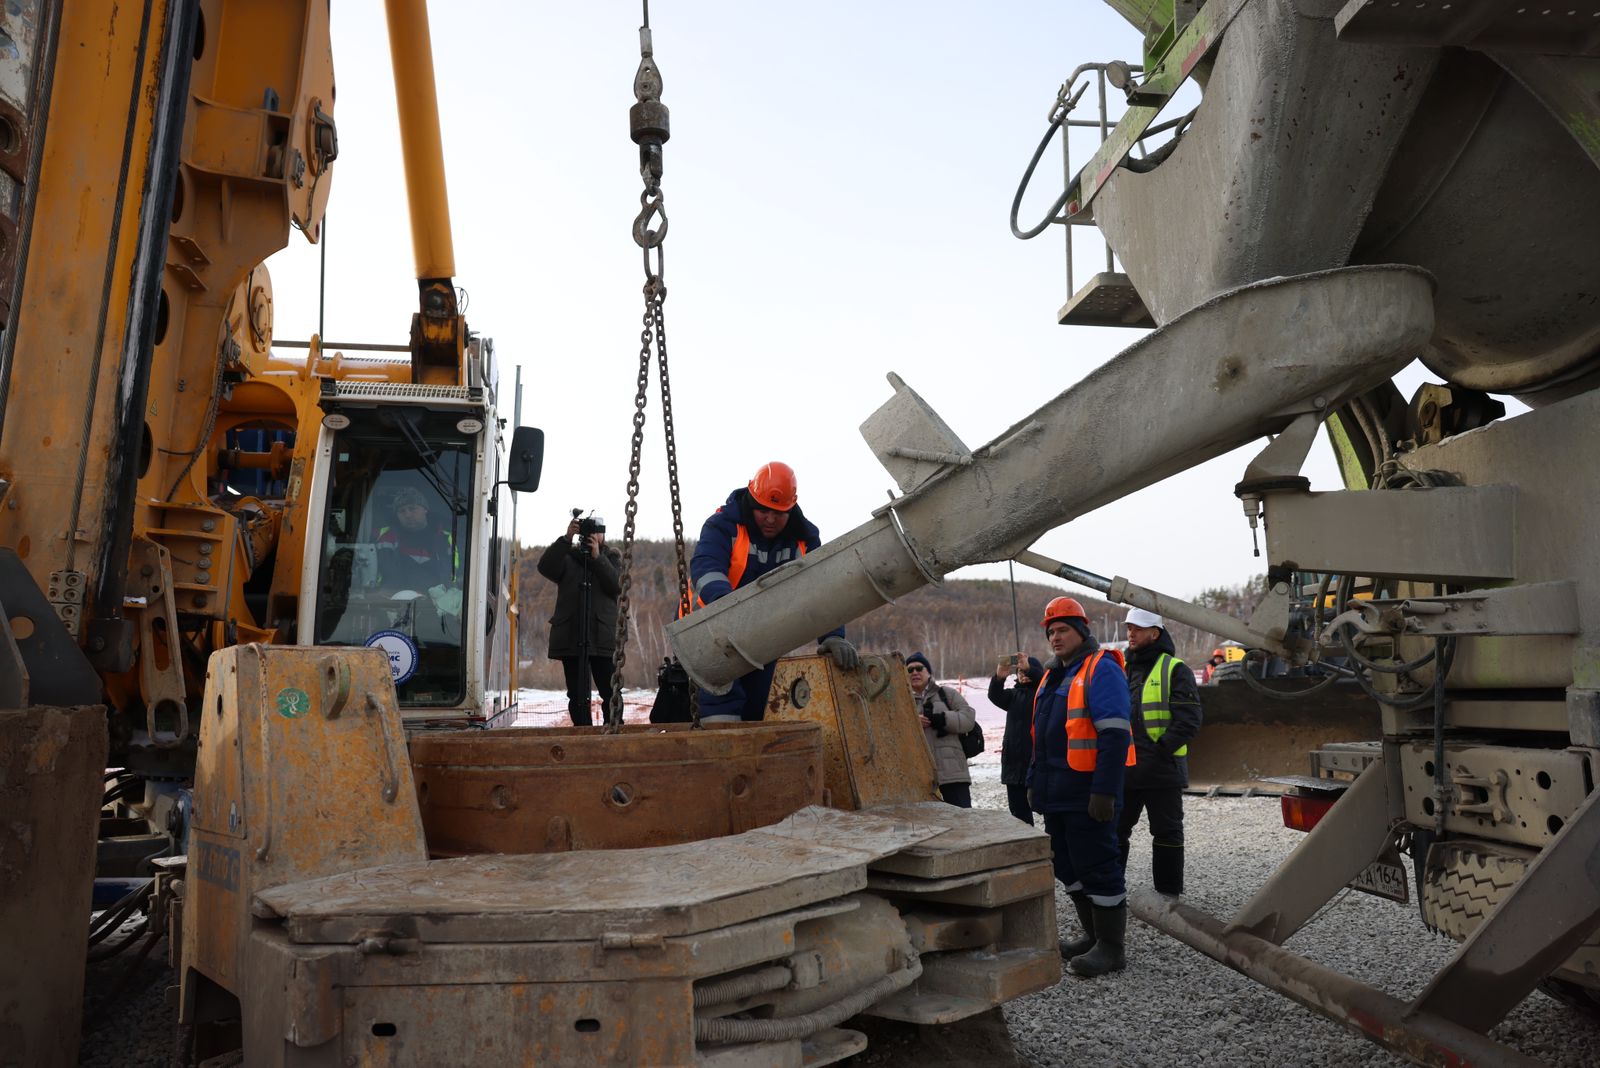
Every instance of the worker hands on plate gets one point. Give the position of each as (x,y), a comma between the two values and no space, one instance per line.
(844,654)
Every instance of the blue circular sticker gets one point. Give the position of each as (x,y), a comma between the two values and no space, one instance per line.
(400,649)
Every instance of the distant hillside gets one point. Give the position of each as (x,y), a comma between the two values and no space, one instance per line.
(962,626)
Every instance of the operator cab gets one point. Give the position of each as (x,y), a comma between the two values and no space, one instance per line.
(397,545)
(411,557)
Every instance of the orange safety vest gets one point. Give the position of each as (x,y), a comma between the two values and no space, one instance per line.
(1082,739)
(737,561)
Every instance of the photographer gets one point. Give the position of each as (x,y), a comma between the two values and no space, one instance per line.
(945,716)
(583,627)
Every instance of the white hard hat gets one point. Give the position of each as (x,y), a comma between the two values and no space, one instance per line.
(1138,617)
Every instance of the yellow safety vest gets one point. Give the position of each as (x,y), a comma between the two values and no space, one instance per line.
(1154,702)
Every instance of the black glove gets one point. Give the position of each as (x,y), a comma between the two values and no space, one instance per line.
(1102,807)
(844,654)
(937,719)
(1033,805)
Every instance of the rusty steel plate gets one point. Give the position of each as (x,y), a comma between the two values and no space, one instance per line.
(973,840)
(874,749)
(812,856)
(544,790)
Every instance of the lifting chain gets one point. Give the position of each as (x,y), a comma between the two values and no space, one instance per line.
(650,128)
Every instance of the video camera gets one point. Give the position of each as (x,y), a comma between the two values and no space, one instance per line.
(588,525)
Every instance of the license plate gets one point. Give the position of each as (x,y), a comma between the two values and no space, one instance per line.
(1385,880)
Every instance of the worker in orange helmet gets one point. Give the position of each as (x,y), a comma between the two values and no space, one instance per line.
(1082,741)
(759,528)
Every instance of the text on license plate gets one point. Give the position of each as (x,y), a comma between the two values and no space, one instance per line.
(1384,879)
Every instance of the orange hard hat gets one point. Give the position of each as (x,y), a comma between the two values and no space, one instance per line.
(1063,608)
(1218,652)
(774,487)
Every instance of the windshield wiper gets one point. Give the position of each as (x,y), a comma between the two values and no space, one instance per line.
(442,481)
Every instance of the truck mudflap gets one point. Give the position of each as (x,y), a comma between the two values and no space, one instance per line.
(1405,1028)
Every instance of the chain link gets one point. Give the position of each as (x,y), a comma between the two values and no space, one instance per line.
(649,120)
(684,603)
(631,512)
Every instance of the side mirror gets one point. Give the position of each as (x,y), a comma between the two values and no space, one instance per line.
(526,462)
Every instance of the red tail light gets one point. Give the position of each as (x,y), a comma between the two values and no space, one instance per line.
(1302,813)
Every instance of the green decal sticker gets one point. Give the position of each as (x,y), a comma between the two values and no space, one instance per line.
(293,702)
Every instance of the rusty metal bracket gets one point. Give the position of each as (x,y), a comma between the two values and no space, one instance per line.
(335,685)
(161,683)
(1493,805)
(626,941)
(878,675)
(391,777)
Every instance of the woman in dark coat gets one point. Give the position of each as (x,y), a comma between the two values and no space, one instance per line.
(1017,748)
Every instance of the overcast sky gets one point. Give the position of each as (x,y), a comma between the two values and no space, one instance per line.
(838,182)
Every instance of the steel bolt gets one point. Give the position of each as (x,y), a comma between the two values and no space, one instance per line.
(208,525)
(206,548)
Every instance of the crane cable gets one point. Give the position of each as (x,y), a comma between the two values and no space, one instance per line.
(649,127)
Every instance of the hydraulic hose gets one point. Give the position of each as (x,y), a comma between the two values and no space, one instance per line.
(105,950)
(735,987)
(728,1029)
(113,917)
(1373,665)
(1446,655)
(1286,695)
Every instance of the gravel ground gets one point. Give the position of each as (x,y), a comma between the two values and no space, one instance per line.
(1172,1007)
(126,1021)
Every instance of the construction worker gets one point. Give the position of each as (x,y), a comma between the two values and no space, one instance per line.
(759,528)
(1081,746)
(418,560)
(1166,717)
(414,553)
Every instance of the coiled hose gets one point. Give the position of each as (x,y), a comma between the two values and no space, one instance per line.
(728,1029)
(734,987)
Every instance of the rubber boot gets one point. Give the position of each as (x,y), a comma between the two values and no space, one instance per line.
(1110,928)
(1166,868)
(1077,946)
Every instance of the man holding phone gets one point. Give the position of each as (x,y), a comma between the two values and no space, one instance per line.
(1017,746)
